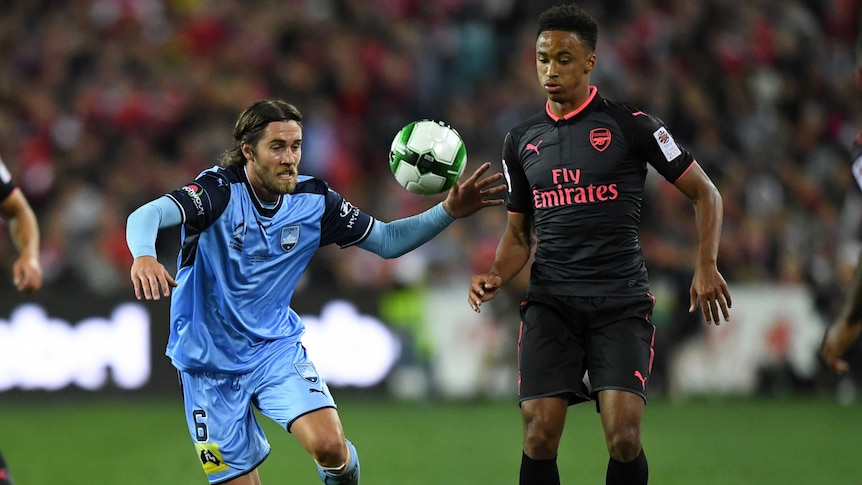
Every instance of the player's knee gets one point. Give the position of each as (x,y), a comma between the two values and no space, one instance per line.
(330,452)
(541,438)
(624,445)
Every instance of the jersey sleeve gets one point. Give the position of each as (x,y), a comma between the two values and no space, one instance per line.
(518,196)
(654,143)
(6,185)
(343,223)
(204,200)
(857,158)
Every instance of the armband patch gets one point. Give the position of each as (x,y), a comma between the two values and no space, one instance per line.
(665,141)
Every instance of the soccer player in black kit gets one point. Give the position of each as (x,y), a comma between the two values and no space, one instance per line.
(848,327)
(576,173)
(26,270)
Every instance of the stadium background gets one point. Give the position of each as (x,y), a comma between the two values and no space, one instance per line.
(106,104)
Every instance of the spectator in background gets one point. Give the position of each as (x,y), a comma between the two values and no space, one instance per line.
(26,271)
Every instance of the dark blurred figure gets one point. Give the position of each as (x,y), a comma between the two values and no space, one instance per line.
(26,271)
(846,329)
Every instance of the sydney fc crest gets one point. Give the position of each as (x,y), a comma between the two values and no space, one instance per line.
(307,372)
(289,237)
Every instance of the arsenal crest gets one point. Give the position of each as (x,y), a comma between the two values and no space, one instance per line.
(289,237)
(600,138)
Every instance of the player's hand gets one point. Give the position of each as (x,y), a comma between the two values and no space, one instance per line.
(27,273)
(838,337)
(483,287)
(709,290)
(473,194)
(148,276)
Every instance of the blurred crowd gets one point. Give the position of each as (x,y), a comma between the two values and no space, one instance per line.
(107,104)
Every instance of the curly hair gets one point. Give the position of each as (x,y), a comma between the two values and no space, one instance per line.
(570,18)
(251,123)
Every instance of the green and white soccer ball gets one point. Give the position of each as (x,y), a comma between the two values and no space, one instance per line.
(427,157)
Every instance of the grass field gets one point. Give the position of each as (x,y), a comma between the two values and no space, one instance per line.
(704,442)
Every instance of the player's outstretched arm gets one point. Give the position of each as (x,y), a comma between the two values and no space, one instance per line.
(393,239)
(468,197)
(24,228)
(708,288)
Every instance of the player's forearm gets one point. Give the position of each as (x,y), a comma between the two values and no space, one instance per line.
(23,226)
(513,252)
(393,239)
(708,211)
(24,230)
(142,225)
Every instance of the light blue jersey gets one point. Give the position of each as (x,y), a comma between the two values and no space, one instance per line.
(240,263)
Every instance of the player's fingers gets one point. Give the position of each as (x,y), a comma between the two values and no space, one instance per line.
(840,366)
(726,292)
(154,287)
(704,307)
(150,287)
(27,283)
(145,287)
(482,169)
(725,312)
(166,288)
(494,190)
(490,179)
(713,309)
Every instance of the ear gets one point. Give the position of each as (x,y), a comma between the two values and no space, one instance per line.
(591,63)
(247,151)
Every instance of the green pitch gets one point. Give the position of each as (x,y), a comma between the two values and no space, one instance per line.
(704,442)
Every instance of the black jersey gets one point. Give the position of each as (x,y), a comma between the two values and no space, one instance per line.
(582,177)
(6,185)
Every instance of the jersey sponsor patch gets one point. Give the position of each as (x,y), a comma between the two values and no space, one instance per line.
(5,176)
(857,171)
(194,192)
(350,212)
(665,141)
(211,458)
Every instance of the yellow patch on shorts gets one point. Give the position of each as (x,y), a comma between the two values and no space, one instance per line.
(210,457)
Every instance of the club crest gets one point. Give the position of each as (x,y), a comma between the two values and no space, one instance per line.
(307,372)
(600,138)
(289,237)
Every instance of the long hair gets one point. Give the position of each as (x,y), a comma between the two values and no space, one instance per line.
(570,18)
(251,123)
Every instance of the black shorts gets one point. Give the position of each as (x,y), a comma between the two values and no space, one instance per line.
(563,338)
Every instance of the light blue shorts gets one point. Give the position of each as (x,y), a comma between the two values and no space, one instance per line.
(219,409)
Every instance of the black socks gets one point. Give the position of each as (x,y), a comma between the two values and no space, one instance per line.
(539,472)
(635,472)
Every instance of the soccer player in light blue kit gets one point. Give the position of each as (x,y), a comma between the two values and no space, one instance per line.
(249,228)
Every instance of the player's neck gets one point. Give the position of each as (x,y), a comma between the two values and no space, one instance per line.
(561,109)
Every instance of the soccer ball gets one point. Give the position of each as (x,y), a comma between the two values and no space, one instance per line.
(427,157)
